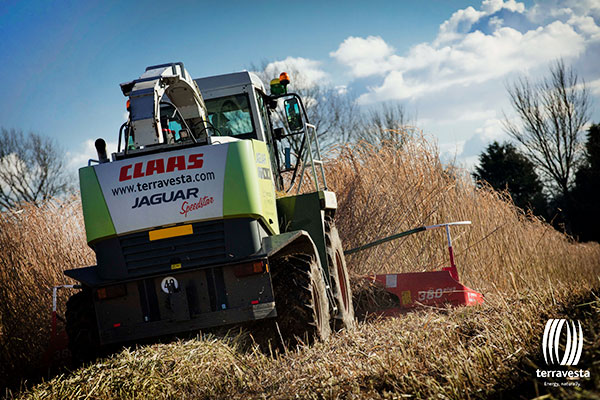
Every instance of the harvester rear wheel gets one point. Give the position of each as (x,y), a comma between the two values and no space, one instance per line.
(81,327)
(301,298)
(338,272)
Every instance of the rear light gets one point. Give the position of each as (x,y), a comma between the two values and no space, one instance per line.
(111,292)
(253,268)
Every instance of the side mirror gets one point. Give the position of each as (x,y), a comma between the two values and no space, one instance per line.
(292,112)
(278,133)
(288,158)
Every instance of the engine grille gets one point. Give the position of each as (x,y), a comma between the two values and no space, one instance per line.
(205,246)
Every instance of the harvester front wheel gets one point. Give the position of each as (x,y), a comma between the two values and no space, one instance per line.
(301,298)
(81,327)
(338,272)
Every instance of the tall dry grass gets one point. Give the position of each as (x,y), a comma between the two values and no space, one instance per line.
(506,251)
(36,246)
(526,270)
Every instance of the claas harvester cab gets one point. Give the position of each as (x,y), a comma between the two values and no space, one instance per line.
(193,223)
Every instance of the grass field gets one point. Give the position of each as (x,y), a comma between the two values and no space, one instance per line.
(527,271)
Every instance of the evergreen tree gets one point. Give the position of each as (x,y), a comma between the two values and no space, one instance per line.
(504,168)
(586,194)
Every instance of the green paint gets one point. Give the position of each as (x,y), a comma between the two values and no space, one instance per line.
(266,187)
(244,195)
(239,178)
(98,223)
(304,212)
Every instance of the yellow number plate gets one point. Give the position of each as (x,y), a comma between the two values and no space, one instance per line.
(181,230)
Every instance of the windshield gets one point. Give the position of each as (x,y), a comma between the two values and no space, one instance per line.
(231,116)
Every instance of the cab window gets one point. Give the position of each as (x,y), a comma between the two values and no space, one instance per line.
(264,114)
(231,116)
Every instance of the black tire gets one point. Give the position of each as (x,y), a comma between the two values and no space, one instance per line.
(82,330)
(340,281)
(301,300)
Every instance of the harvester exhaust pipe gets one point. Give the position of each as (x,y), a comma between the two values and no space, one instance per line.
(101,149)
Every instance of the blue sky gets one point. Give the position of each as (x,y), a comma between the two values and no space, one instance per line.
(446,61)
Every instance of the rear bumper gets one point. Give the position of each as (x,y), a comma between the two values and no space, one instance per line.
(160,328)
(184,301)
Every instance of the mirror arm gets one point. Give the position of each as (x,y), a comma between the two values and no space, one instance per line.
(298,158)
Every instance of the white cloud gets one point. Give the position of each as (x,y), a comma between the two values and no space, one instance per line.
(585,25)
(477,115)
(465,151)
(304,73)
(341,89)
(496,22)
(365,56)
(460,22)
(467,115)
(463,55)
(594,87)
(492,6)
(475,59)
(452,153)
(451,150)
(491,130)
(563,9)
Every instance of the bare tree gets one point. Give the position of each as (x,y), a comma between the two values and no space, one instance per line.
(386,122)
(552,114)
(31,169)
(334,113)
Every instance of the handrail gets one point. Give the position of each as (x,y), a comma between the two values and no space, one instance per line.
(309,155)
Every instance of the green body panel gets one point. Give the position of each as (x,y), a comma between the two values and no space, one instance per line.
(305,212)
(98,223)
(248,188)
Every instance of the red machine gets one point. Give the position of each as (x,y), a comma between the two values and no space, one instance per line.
(435,288)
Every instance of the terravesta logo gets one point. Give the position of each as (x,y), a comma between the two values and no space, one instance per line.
(562,345)
(551,341)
